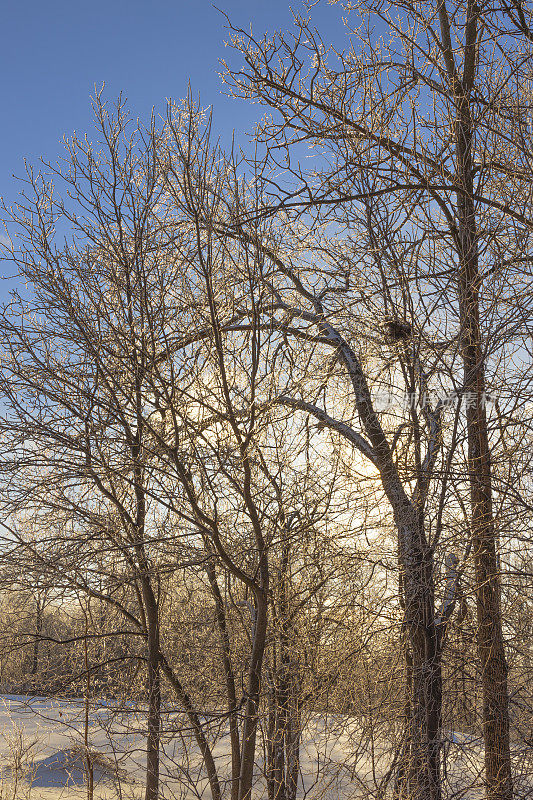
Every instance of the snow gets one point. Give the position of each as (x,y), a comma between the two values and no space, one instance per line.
(42,755)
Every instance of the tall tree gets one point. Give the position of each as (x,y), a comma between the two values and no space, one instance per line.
(309,301)
(426,114)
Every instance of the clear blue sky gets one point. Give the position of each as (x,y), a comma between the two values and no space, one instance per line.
(54,52)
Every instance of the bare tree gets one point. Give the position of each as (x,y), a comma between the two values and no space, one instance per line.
(428,115)
(307,310)
(137,440)
(174,364)
(78,459)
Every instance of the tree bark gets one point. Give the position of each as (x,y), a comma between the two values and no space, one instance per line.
(490,641)
(416,569)
(230,681)
(38,631)
(252,700)
(415,556)
(421,767)
(154,697)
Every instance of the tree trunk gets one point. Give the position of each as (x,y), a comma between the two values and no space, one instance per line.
(203,744)
(275,741)
(292,748)
(421,768)
(288,689)
(416,569)
(489,620)
(490,640)
(154,702)
(38,631)
(252,701)
(230,681)
(88,756)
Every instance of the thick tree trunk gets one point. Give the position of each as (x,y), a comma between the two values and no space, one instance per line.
(421,768)
(490,640)
(416,568)
(283,736)
(154,703)
(283,732)
(489,619)
(422,759)
(252,701)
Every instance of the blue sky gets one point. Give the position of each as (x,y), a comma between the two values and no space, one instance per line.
(53,53)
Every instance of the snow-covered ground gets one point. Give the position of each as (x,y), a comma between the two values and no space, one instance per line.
(42,756)
(42,753)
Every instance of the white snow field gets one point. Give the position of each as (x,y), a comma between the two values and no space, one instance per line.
(42,756)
